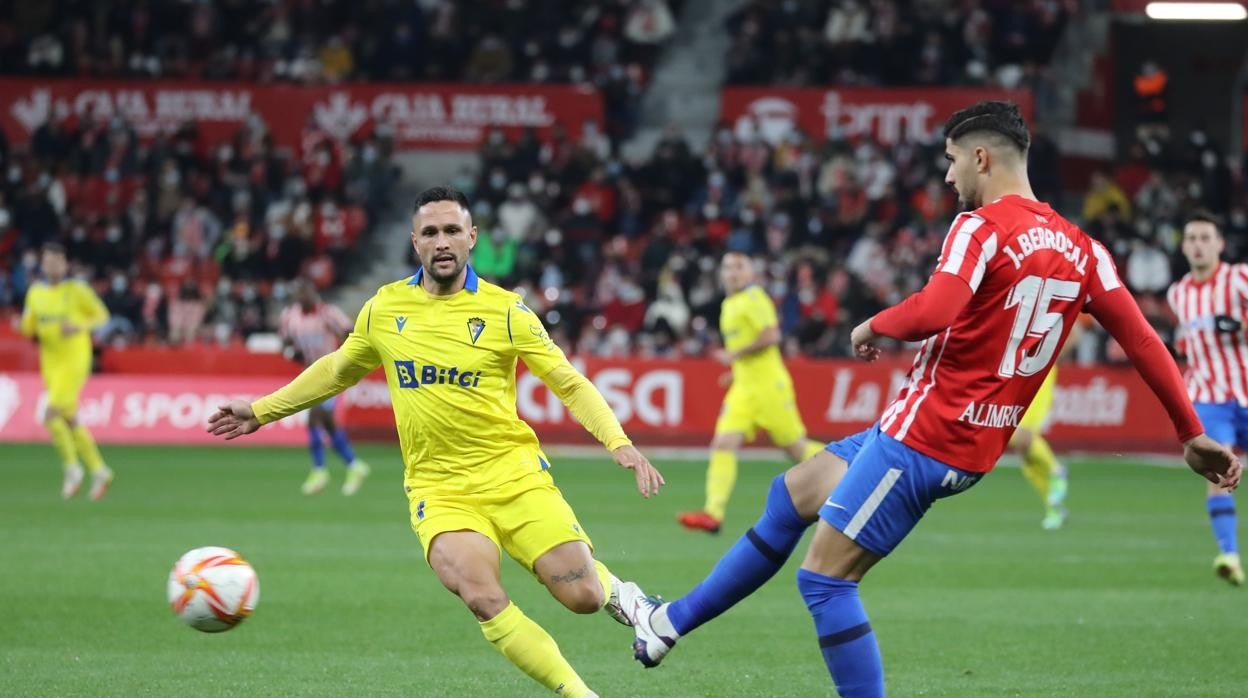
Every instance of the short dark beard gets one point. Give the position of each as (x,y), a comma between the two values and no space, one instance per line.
(445,282)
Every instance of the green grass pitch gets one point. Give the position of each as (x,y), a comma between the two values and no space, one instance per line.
(978,602)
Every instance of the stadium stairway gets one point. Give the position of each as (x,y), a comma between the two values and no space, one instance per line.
(387,246)
(684,93)
(1077,108)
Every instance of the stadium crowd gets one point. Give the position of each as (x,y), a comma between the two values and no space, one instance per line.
(622,257)
(183,241)
(893,42)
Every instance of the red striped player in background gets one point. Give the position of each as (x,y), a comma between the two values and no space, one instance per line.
(312,329)
(1210,302)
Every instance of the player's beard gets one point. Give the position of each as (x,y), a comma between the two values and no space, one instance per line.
(969,200)
(432,270)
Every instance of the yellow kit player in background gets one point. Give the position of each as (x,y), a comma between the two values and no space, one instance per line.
(476,479)
(60,313)
(761,394)
(1039,464)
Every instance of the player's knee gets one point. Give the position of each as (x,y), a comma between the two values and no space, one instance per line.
(810,481)
(726,442)
(484,600)
(585,597)
(1021,441)
(796,450)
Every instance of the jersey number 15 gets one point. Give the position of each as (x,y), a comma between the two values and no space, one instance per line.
(1033,296)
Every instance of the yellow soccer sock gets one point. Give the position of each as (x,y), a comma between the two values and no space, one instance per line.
(812,449)
(62,441)
(604,576)
(533,651)
(1038,465)
(87,450)
(721,476)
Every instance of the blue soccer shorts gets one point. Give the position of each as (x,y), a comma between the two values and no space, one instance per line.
(848,447)
(887,489)
(1225,422)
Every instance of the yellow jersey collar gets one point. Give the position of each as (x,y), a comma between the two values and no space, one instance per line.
(470,281)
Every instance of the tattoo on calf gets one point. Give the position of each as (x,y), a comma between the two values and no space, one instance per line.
(572,575)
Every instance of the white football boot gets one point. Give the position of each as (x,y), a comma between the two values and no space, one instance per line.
(649,645)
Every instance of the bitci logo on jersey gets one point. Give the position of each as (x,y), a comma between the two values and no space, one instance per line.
(409,376)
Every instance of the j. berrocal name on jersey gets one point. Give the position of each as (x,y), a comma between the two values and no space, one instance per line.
(1036,239)
(412,376)
(986,414)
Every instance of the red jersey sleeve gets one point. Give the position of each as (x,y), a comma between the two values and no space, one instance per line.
(923,314)
(969,247)
(1117,312)
(1104,274)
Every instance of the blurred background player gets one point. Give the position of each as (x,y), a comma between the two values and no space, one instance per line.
(1210,302)
(476,478)
(1044,472)
(761,393)
(59,315)
(313,329)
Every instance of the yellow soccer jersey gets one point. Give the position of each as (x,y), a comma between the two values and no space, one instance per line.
(450,362)
(743,317)
(50,306)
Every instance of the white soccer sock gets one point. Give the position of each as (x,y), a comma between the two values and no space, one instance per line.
(662,625)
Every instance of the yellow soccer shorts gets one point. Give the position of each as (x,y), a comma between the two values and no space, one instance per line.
(1036,419)
(771,407)
(526,518)
(64,378)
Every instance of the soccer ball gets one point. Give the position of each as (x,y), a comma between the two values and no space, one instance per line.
(213,589)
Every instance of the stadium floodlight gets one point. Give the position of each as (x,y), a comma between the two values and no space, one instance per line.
(1208,11)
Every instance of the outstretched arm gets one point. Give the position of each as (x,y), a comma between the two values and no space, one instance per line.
(921,315)
(328,376)
(767,337)
(590,409)
(1121,317)
(547,361)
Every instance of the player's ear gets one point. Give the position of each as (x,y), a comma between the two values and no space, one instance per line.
(983,159)
(472,237)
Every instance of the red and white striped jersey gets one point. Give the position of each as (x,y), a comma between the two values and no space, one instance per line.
(314,333)
(1217,361)
(1030,272)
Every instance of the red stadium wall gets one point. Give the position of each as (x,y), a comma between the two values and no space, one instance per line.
(420,115)
(890,115)
(164,396)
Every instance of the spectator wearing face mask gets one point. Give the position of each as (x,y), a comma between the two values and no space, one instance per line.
(125,309)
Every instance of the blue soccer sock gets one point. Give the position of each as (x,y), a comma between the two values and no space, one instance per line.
(1223,520)
(316,446)
(751,561)
(845,637)
(342,445)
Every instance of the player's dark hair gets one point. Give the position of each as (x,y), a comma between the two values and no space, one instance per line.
(441,193)
(1203,215)
(1001,118)
(54,248)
